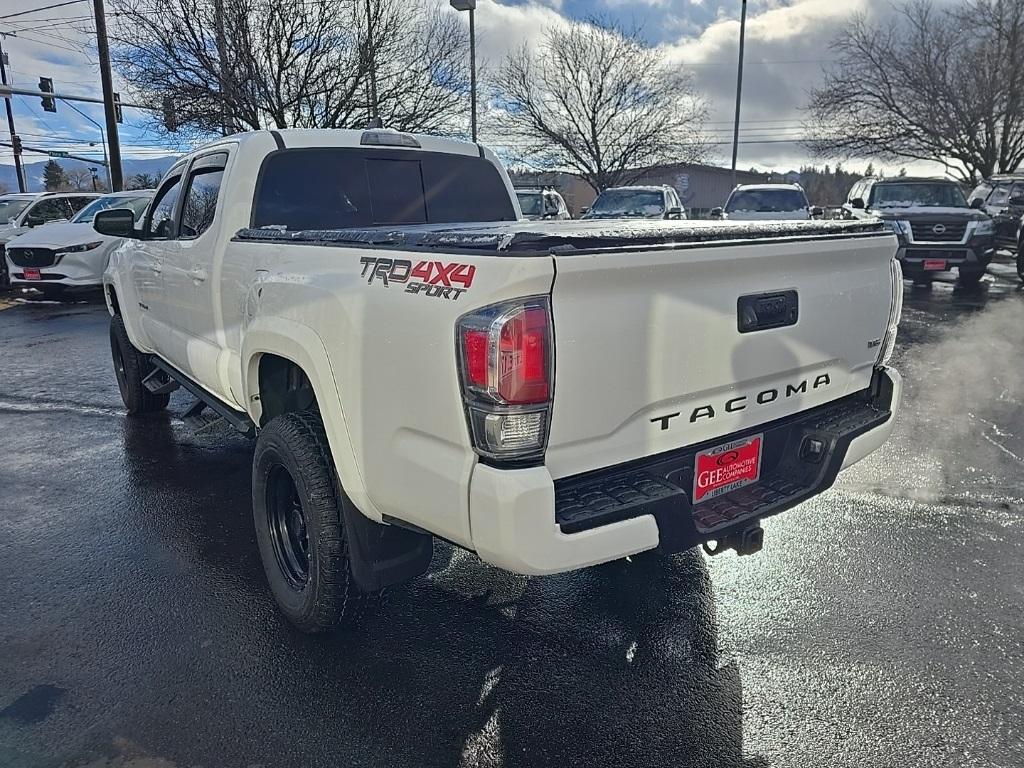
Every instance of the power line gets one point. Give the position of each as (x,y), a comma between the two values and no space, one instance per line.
(52,18)
(43,8)
(52,44)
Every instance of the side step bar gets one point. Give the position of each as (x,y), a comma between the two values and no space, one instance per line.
(158,382)
(238,419)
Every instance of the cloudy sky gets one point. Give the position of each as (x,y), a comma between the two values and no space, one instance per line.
(788,44)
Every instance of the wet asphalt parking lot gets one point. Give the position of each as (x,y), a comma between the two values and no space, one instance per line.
(880,626)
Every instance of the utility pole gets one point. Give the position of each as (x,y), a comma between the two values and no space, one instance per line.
(19,169)
(103,49)
(739,91)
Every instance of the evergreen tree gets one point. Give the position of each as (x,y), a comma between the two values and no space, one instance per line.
(54,177)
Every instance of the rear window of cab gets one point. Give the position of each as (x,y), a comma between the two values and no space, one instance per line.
(341,188)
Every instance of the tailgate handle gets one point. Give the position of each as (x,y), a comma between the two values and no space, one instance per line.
(761,311)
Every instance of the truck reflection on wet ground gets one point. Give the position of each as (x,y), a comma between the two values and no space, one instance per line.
(879,626)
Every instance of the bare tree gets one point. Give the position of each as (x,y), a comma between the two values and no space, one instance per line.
(79,179)
(593,99)
(228,65)
(142,181)
(942,85)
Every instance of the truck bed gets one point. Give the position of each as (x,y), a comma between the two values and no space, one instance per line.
(533,238)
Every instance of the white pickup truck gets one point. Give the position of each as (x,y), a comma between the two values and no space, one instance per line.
(418,361)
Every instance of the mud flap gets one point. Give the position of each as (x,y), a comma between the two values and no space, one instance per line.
(384,555)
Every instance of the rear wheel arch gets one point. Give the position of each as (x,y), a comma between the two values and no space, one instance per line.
(288,349)
(379,555)
(283,386)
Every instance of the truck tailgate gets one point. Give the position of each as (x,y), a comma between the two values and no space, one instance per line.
(650,355)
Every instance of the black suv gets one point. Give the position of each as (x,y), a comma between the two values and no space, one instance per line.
(1002,198)
(937,230)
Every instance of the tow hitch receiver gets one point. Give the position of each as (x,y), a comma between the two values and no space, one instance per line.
(747,542)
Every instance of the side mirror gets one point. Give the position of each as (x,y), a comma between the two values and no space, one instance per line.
(716,213)
(817,212)
(979,203)
(675,212)
(115,222)
(34,221)
(584,210)
(1016,201)
(857,202)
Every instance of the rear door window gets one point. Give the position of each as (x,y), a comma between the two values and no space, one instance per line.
(200,204)
(348,187)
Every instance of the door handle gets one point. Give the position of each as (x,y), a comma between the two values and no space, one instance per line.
(199,275)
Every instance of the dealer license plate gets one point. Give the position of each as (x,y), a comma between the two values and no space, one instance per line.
(33,274)
(938,265)
(727,467)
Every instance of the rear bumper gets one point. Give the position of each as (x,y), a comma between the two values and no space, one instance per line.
(523,521)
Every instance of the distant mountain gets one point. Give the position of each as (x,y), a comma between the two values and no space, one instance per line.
(155,166)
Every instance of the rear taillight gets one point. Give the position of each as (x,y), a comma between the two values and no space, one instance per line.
(895,313)
(506,363)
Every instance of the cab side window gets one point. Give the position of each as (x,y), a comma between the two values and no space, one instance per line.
(200,207)
(161,217)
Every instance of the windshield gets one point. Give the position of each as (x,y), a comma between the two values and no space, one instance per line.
(530,202)
(137,204)
(939,195)
(766,200)
(11,209)
(630,202)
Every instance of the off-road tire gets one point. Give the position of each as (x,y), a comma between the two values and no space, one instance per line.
(130,367)
(296,444)
(970,277)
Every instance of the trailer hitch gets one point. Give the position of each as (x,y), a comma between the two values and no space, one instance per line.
(747,542)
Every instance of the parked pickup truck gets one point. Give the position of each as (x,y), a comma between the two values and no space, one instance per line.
(417,361)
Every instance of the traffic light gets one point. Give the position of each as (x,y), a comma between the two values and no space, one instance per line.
(170,115)
(49,103)
(117,108)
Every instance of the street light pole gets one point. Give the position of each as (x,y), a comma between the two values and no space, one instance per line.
(374,114)
(470,5)
(103,140)
(739,91)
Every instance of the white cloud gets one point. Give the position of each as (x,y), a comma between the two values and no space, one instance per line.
(787,46)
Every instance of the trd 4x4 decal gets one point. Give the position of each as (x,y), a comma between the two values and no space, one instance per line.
(430,278)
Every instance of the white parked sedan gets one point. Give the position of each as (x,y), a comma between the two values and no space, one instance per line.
(69,255)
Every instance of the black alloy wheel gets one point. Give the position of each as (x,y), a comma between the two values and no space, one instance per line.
(289,535)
